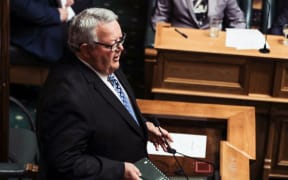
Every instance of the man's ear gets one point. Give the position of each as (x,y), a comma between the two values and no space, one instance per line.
(85,50)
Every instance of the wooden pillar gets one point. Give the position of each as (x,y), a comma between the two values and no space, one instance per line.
(4,78)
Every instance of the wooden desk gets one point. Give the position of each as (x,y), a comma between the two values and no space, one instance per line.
(166,38)
(203,66)
(234,154)
(202,69)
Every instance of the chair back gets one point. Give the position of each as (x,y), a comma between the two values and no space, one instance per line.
(271,9)
(22,146)
(268,14)
(247,7)
(150,34)
(22,138)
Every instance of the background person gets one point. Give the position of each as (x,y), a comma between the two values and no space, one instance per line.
(196,13)
(281,20)
(40,26)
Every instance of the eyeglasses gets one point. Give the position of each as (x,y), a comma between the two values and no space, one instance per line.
(115,45)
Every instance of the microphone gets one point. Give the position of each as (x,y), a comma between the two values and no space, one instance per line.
(169,148)
(265,50)
(215,174)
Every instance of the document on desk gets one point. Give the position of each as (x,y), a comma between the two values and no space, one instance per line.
(244,38)
(188,144)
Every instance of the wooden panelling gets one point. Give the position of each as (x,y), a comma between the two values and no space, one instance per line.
(281,80)
(233,161)
(186,71)
(276,161)
(28,74)
(282,154)
(257,4)
(261,77)
(4,79)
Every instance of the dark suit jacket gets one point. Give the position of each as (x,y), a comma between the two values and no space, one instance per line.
(280,21)
(36,27)
(84,130)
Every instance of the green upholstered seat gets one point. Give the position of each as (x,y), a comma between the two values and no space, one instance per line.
(23,148)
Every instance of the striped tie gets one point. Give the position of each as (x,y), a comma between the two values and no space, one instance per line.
(124,99)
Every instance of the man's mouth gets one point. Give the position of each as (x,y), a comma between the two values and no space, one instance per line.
(116,58)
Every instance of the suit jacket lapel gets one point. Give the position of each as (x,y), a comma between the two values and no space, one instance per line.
(111,98)
(190,7)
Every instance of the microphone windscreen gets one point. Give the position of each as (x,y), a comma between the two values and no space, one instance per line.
(171,150)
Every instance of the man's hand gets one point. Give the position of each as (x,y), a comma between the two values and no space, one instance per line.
(69,3)
(63,11)
(63,14)
(131,172)
(157,138)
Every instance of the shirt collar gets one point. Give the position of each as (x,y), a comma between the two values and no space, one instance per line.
(103,77)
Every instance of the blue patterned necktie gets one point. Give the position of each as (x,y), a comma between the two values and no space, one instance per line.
(124,99)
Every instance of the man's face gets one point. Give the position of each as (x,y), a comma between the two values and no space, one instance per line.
(103,56)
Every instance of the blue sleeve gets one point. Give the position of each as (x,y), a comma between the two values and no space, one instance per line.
(35,11)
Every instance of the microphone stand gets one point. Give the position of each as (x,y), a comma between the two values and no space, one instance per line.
(174,152)
(169,148)
(265,50)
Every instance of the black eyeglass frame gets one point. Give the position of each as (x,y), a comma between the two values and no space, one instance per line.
(115,45)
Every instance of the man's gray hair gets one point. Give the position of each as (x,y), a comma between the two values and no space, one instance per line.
(82,27)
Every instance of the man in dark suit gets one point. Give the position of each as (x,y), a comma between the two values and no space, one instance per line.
(282,19)
(196,13)
(86,130)
(40,26)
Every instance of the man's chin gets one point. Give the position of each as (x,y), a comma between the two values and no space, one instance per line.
(115,66)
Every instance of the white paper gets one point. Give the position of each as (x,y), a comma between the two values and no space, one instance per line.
(245,38)
(71,12)
(188,144)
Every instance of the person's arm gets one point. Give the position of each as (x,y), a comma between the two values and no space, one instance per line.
(162,12)
(235,15)
(35,12)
